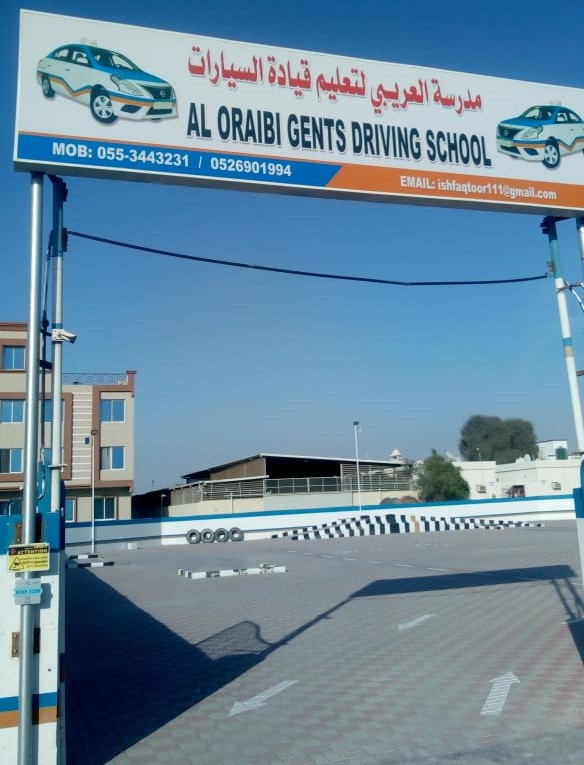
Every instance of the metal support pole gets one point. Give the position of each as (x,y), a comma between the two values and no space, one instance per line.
(56,497)
(549,228)
(355,426)
(31,441)
(59,197)
(93,435)
(580,229)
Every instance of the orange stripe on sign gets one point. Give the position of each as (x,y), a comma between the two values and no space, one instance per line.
(432,184)
(39,716)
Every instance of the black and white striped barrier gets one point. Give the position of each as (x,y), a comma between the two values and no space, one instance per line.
(367,525)
(264,568)
(87,560)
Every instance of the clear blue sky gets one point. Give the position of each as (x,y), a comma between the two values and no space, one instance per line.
(232,362)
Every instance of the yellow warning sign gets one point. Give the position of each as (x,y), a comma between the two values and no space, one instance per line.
(34,557)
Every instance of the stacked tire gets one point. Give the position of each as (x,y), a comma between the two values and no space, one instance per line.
(207,536)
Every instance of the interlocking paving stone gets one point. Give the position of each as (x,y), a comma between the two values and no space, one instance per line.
(155,663)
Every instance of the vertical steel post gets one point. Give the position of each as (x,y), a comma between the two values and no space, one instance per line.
(549,228)
(580,229)
(31,442)
(93,435)
(59,197)
(355,426)
(58,245)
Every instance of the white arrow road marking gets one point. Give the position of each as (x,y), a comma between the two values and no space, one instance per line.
(415,622)
(497,697)
(260,700)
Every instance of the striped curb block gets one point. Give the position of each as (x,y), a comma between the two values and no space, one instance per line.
(84,556)
(88,560)
(263,569)
(368,525)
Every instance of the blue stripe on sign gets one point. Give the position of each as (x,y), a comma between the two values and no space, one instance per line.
(139,158)
(39,700)
(567,342)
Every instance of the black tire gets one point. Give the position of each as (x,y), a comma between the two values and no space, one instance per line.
(47,88)
(207,536)
(101,106)
(236,535)
(221,535)
(551,154)
(193,537)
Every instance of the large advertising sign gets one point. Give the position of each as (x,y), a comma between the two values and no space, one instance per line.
(103,99)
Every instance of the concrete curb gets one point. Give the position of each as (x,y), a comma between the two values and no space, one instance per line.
(262,569)
(87,560)
(371,525)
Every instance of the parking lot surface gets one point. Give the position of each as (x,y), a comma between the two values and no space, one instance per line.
(448,647)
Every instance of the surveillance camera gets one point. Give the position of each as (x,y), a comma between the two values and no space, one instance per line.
(58,335)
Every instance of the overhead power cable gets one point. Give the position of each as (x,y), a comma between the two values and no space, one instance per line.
(296,272)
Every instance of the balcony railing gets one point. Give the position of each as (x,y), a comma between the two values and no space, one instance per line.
(270,486)
(95,378)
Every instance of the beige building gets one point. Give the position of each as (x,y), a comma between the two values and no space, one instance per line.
(98,435)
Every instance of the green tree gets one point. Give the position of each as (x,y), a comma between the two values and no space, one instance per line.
(439,480)
(490,438)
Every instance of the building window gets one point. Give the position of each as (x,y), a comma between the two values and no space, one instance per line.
(70,509)
(111,458)
(12,410)
(11,507)
(104,508)
(112,410)
(10,460)
(13,357)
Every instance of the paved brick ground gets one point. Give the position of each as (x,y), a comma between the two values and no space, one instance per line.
(155,662)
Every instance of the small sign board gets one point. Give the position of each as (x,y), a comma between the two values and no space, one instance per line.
(33,557)
(28,592)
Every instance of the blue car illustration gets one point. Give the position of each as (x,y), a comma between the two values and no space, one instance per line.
(542,133)
(108,82)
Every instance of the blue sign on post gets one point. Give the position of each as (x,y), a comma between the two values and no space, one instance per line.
(28,592)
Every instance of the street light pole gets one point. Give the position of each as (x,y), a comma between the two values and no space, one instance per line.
(355,428)
(93,435)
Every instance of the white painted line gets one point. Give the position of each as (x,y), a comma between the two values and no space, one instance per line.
(403,565)
(328,556)
(438,569)
(260,700)
(497,697)
(348,558)
(415,622)
(375,562)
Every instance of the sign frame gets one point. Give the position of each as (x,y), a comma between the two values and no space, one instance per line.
(196,110)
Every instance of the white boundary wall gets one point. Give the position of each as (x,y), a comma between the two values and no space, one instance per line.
(262,525)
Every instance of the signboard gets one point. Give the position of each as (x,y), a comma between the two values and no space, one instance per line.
(33,557)
(103,99)
(28,592)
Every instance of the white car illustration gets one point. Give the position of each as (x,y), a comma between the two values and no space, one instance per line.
(108,82)
(541,133)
